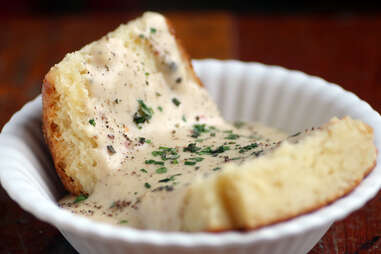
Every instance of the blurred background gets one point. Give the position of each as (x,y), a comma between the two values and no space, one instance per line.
(261,6)
(336,40)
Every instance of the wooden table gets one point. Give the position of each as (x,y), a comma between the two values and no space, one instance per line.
(344,49)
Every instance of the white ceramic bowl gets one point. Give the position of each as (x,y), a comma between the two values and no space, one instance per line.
(285,99)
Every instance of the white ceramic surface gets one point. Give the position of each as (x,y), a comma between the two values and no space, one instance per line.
(289,100)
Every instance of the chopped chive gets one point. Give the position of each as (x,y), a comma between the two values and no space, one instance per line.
(184,119)
(248,147)
(147,185)
(176,102)
(217,168)
(174,162)
(153,30)
(92,122)
(161,170)
(80,198)
(232,136)
(143,114)
(148,141)
(191,148)
(160,108)
(190,163)
(154,162)
(143,170)
(123,222)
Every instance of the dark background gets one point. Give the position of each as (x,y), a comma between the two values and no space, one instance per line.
(45,7)
(339,41)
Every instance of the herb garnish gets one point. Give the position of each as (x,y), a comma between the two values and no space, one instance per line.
(217,168)
(176,102)
(198,129)
(183,118)
(232,136)
(153,30)
(123,222)
(147,185)
(190,163)
(143,170)
(171,178)
(80,198)
(144,113)
(154,162)
(166,153)
(92,122)
(160,108)
(248,147)
(191,148)
(209,150)
(161,170)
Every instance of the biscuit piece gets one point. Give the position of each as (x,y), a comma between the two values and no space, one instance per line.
(67,116)
(292,180)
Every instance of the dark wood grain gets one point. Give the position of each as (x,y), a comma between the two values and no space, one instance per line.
(342,49)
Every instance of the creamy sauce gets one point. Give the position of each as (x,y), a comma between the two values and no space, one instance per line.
(155,130)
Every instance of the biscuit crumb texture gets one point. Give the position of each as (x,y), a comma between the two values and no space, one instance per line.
(294,179)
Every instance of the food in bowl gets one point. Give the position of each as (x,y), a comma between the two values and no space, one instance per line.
(137,141)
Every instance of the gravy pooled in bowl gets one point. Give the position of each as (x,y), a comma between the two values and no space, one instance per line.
(158,168)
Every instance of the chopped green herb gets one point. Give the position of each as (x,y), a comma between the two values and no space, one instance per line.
(191,148)
(232,136)
(248,147)
(154,162)
(153,30)
(123,222)
(228,131)
(158,94)
(160,108)
(184,119)
(147,185)
(198,129)
(235,158)
(80,198)
(174,162)
(161,170)
(171,178)
(144,113)
(142,140)
(176,101)
(92,122)
(198,159)
(147,74)
(157,153)
(148,141)
(220,149)
(143,170)
(217,168)
(190,163)
(111,149)
(212,134)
